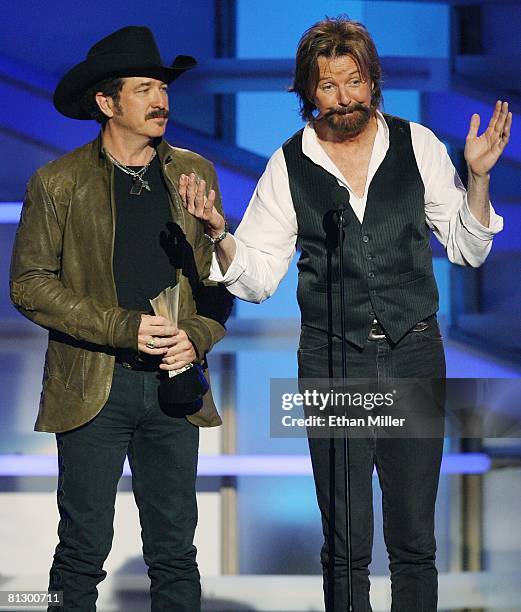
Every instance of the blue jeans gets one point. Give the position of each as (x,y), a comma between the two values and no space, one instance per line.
(408,471)
(162,452)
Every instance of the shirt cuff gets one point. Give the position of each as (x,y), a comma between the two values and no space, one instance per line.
(236,268)
(474,227)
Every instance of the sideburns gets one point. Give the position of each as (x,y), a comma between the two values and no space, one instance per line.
(118,109)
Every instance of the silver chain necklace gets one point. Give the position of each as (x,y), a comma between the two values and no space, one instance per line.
(137,176)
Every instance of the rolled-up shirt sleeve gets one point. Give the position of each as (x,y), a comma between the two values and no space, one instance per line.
(265,238)
(465,239)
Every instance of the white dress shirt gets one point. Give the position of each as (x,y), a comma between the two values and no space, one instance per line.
(267,234)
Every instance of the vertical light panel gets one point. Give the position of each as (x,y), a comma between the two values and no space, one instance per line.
(403,103)
(265,120)
(272,28)
(282,509)
(416,29)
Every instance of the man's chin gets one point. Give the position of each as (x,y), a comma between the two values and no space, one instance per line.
(346,126)
(157,129)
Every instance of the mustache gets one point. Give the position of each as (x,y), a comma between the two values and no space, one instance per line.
(161,113)
(342,111)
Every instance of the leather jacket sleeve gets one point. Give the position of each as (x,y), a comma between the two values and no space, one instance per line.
(213,302)
(36,288)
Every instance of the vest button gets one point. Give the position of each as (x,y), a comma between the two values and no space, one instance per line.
(369,256)
(373,291)
(365,238)
(370,274)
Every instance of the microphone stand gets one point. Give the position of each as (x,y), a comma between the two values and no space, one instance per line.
(347,500)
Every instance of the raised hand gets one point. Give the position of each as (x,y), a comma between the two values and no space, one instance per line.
(193,196)
(482,152)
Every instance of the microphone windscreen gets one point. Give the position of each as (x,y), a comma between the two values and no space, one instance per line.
(340,197)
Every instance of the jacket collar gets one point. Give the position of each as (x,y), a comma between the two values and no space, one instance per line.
(164,151)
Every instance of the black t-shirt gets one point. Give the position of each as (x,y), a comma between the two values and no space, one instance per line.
(144,247)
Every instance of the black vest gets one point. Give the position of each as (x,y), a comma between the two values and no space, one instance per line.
(387,259)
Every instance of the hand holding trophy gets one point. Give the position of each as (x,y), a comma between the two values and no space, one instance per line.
(183,386)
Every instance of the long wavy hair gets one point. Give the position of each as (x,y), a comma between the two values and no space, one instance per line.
(333,37)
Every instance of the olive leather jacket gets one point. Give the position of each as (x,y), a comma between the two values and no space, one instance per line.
(62,279)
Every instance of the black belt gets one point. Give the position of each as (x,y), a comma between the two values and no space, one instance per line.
(134,361)
(377,332)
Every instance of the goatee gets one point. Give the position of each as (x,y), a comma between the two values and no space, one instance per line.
(349,121)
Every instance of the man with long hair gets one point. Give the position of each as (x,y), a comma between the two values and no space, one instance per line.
(400,185)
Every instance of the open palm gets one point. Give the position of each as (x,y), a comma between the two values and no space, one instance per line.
(482,152)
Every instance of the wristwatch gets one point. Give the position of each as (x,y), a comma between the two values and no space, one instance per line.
(221,236)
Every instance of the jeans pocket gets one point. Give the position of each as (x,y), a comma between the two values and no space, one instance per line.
(313,355)
(431,334)
(312,341)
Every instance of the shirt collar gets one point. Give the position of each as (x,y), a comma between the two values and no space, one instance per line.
(164,150)
(314,151)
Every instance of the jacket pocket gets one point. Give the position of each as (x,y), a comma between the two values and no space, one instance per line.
(413,275)
(66,363)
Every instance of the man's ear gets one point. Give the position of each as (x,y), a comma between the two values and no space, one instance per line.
(106,104)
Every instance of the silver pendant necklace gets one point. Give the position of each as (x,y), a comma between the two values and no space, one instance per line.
(138,182)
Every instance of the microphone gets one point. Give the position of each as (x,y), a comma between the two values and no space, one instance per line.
(340,197)
(330,221)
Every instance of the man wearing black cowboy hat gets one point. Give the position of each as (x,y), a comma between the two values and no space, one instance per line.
(103,231)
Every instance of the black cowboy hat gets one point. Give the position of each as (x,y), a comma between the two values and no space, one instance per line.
(130,51)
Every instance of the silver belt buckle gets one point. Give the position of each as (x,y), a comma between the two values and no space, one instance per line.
(374,334)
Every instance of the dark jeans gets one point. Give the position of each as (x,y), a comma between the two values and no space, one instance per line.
(162,452)
(408,471)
